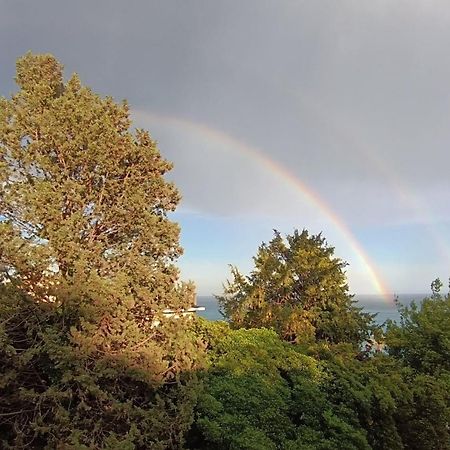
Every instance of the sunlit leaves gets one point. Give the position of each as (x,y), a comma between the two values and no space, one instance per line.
(300,289)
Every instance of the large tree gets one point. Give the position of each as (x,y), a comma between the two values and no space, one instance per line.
(298,288)
(422,337)
(87,267)
(262,393)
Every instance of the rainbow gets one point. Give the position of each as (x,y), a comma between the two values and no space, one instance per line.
(283,173)
(346,131)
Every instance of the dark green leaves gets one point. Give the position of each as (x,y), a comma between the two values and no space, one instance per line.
(298,288)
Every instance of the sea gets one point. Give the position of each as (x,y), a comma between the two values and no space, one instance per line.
(371,303)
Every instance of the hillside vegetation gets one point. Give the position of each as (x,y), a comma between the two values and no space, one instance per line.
(88,358)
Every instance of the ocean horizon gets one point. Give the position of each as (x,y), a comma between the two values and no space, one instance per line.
(371,303)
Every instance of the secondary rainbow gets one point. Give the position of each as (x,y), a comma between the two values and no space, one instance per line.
(282,172)
(351,134)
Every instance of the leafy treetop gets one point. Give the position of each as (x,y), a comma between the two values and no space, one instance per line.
(422,338)
(87,258)
(298,288)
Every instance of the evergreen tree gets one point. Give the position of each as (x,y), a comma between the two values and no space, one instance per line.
(422,337)
(87,258)
(298,288)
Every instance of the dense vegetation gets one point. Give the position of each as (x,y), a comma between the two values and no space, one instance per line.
(263,393)
(86,253)
(298,288)
(87,267)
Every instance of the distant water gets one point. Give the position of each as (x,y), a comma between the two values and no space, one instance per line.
(370,303)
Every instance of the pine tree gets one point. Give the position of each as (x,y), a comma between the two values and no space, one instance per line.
(87,255)
(298,288)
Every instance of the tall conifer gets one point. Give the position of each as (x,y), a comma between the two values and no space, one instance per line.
(299,288)
(87,258)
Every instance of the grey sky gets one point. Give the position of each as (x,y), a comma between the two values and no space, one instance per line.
(353,97)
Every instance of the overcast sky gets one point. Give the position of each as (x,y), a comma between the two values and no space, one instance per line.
(349,98)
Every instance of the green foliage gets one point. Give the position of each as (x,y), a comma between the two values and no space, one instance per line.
(87,267)
(298,288)
(421,342)
(422,338)
(261,392)
(397,408)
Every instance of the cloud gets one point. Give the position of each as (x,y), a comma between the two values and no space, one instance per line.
(337,90)
(349,97)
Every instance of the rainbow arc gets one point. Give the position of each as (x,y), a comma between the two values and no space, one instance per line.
(284,174)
